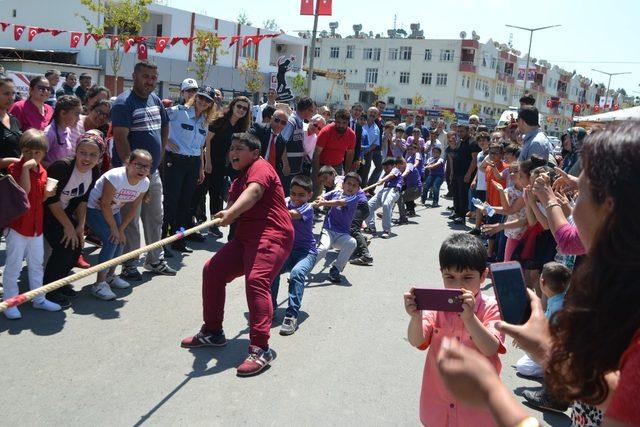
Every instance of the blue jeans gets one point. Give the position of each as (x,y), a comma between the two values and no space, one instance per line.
(97,223)
(436,182)
(299,263)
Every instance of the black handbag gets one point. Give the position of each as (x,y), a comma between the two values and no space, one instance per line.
(14,202)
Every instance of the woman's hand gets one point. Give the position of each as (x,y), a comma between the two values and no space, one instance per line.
(533,337)
(201,176)
(208,168)
(410,305)
(69,237)
(491,229)
(543,191)
(468,375)
(497,185)
(565,181)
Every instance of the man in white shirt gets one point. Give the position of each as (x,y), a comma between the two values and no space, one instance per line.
(408,121)
(271,101)
(442,134)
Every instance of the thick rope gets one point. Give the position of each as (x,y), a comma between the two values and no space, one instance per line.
(28,296)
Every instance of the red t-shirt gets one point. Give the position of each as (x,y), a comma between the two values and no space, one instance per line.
(625,406)
(30,224)
(493,196)
(334,145)
(29,116)
(269,217)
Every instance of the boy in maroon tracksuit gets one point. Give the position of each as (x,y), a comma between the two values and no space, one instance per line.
(262,242)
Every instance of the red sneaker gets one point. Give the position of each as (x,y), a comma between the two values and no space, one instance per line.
(205,338)
(257,360)
(82,263)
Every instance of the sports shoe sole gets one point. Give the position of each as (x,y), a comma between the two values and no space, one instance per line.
(203,345)
(252,374)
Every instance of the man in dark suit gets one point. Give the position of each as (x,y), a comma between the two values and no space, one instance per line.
(271,147)
(356,111)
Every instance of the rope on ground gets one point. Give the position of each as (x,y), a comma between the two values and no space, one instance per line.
(28,296)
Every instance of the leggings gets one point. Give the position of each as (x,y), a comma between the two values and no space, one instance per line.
(511,246)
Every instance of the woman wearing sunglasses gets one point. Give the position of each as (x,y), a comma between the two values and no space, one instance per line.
(311,131)
(33,113)
(235,119)
(182,166)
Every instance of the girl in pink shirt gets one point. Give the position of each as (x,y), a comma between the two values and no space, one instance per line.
(463,266)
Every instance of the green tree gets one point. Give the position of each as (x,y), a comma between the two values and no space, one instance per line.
(418,100)
(380,91)
(208,49)
(243,19)
(123,18)
(299,85)
(448,116)
(475,109)
(270,24)
(252,76)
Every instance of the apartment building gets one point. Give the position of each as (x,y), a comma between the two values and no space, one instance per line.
(462,75)
(174,64)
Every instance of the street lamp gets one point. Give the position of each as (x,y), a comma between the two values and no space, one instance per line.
(531,30)
(606,95)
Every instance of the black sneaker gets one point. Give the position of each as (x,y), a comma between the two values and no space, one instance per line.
(205,338)
(458,220)
(215,232)
(362,261)
(475,231)
(69,292)
(196,237)
(179,246)
(539,398)
(450,208)
(59,299)
(334,274)
(453,216)
(167,252)
(131,273)
(161,267)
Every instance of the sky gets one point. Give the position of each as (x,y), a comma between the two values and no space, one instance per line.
(594,34)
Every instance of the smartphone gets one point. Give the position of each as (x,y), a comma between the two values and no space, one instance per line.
(511,292)
(438,299)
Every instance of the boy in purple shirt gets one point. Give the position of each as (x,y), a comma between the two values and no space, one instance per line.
(337,225)
(410,191)
(304,252)
(385,198)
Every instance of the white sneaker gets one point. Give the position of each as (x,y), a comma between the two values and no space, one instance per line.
(12,313)
(102,291)
(117,282)
(46,305)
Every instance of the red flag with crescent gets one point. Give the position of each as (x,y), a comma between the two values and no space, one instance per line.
(87,37)
(75,39)
(97,37)
(142,51)
(129,41)
(17,31)
(55,33)
(234,40)
(113,42)
(161,43)
(34,31)
(4,25)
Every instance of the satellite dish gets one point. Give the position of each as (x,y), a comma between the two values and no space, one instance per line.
(473,34)
(463,34)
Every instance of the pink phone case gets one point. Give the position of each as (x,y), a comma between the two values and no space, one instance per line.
(438,299)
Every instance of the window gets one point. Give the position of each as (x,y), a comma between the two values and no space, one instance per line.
(334,52)
(371,75)
(427,54)
(426,78)
(393,54)
(446,55)
(344,73)
(376,54)
(404,78)
(350,49)
(391,100)
(405,53)
(441,79)
(494,62)
(367,53)
(464,79)
(248,51)
(316,52)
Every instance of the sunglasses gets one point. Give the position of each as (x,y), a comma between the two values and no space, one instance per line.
(242,107)
(141,167)
(281,121)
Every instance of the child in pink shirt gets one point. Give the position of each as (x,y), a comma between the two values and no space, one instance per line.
(463,266)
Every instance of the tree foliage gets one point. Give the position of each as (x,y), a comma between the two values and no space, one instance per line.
(123,18)
(380,91)
(208,49)
(252,75)
(299,85)
(448,116)
(243,19)
(271,25)
(417,100)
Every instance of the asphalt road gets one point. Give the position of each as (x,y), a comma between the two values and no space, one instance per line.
(120,362)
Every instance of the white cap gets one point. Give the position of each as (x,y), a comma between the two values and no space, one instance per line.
(188,84)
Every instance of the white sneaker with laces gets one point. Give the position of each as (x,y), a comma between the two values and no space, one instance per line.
(102,291)
(12,313)
(117,282)
(46,305)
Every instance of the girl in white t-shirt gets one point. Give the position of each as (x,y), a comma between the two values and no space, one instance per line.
(118,186)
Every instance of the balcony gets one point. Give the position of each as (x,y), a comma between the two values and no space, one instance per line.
(470,43)
(467,67)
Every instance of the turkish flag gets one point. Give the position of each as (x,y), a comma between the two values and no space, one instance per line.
(56,32)
(114,41)
(252,39)
(97,37)
(161,43)
(34,31)
(324,8)
(129,41)
(184,40)
(234,40)
(4,25)
(142,51)
(306,7)
(17,31)
(87,37)
(75,39)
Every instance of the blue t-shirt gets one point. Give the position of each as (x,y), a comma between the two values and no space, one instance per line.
(396,181)
(303,228)
(413,179)
(554,304)
(438,170)
(339,218)
(144,119)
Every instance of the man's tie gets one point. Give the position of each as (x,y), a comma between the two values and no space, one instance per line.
(272,150)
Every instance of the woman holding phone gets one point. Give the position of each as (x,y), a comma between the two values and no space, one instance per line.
(591,347)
